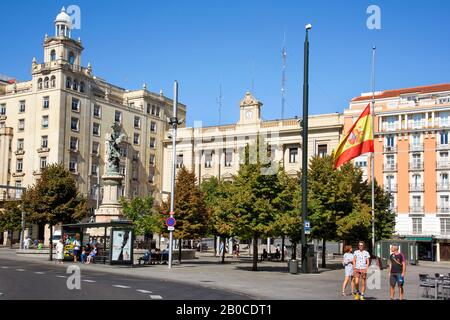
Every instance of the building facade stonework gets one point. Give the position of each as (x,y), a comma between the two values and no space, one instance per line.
(64,114)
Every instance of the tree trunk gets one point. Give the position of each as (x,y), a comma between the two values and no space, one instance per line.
(255,253)
(10,235)
(215,245)
(282,248)
(159,242)
(324,263)
(294,251)
(224,241)
(50,258)
(179,250)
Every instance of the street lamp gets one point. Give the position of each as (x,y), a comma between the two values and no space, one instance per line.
(305,147)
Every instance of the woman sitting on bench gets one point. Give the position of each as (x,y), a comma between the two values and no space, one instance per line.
(92,254)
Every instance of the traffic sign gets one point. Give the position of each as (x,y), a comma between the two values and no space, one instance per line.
(170,228)
(307,224)
(170,222)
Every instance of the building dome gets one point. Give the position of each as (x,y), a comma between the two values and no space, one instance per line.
(63,18)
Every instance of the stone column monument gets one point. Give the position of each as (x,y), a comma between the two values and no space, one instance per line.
(110,209)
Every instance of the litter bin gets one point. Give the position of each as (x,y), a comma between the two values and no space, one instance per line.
(293,266)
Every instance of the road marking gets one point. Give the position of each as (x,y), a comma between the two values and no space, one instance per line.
(89,281)
(155,297)
(21,270)
(143,291)
(61,276)
(5,267)
(120,286)
(39,272)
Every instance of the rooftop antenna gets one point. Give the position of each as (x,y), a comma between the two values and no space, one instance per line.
(219,102)
(283,75)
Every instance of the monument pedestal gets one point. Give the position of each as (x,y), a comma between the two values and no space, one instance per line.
(110,209)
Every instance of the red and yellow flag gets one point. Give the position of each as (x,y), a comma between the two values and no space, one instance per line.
(358,140)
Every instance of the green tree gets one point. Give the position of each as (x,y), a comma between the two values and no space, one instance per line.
(190,208)
(143,214)
(11,217)
(54,199)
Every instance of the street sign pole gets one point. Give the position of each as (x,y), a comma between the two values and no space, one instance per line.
(174,123)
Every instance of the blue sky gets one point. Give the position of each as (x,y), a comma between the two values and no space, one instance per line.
(238,44)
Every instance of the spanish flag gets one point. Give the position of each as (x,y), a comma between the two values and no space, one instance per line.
(358,140)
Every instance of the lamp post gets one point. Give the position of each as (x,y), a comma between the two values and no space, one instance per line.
(305,147)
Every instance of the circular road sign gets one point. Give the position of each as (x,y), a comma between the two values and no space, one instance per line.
(170,222)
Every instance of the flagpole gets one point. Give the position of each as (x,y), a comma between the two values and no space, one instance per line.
(372,160)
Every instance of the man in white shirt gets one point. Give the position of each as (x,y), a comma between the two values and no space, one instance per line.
(360,265)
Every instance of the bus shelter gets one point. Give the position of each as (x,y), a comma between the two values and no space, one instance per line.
(113,240)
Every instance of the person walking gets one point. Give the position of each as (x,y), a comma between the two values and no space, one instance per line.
(76,248)
(396,272)
(60,252)
(360,265)
(347,261)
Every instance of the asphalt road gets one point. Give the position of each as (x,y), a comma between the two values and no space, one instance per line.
(26,280)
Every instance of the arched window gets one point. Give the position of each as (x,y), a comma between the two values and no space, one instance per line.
(46,83)
(53,81)
(69,83)
(53,55)
(75,85)
(71,58)
(40,83)
(82,86)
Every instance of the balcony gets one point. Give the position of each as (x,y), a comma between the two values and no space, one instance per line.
(416,187)
(442,147)
(416,209)
(389,167)
(443,208)
(390,188)
(387,149)
(416,165)
(443,164)
(442,186)
(43,149)
(19,152)
(416,147)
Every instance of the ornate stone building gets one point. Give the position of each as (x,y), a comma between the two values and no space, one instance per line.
(63,114)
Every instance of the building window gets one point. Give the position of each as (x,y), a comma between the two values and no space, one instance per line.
(179,160)
(21,124)
(118,116)
(73,165)
(74,124)
(19,165)
(18,184)
(95,148)
(53,55)
(46,82)
(322,150)
(20,144)
(40,84)
(136,139)
(390,125)
(53,81)
(71,58)
(153,126)
(123,152)
(136,155)
(417,225)
(293,152)
(43,163)
(415,140)
(94,169)
(2,109)
(75,105)
(135,173)
(445,226)
(444,203)
(22,106)
(148,107)
(69,83)
(137,122)
(228,158)
(97,111)
(82,87)
(444,138)
(44,122)
(389,183)
(417,160)
(152,143)
(73,143)
(157,111)
(44,142)
(122,169)
(208,159)
(389,141)
(96,129)
(443,119)
(417,121)
(152,160)
(45,102)
(153,110)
